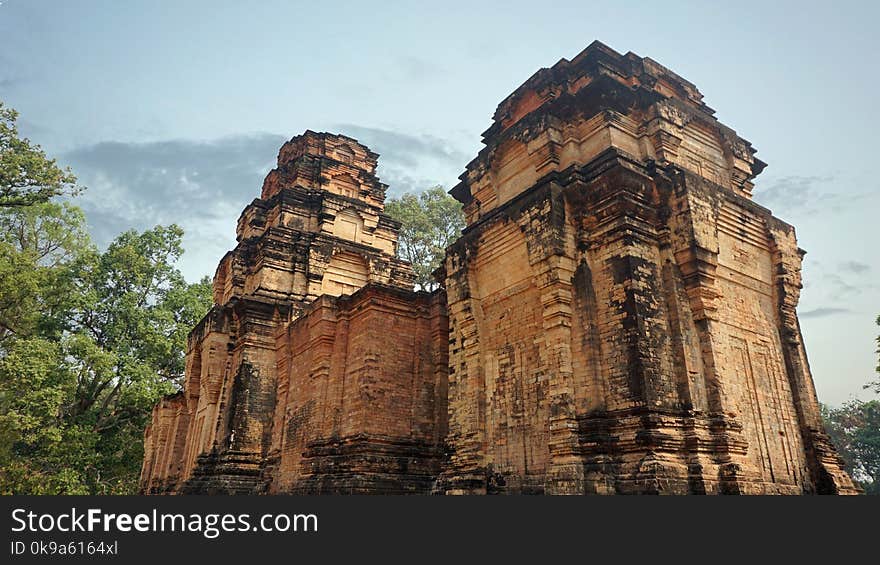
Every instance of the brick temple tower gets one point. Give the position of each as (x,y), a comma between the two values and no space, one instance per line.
(622,314)
(618,317)
(318,229)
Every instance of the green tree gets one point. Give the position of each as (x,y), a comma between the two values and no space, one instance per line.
(89,340)
(136,305)
(38,244)
(91,343)
(855,431)
(27,176)
(876,384)
(430,222)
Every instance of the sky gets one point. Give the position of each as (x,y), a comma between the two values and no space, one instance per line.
(173,111)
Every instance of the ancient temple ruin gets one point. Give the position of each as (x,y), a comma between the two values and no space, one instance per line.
(618,317)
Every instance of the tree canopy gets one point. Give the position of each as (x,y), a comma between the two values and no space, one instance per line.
(89,339)
(27,176)
(876,384)
(430,222)
(92,340)
(855,431)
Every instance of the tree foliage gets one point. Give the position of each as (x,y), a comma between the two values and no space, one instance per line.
(430,222)
(38,245)
(855,431)
(89,341)
(27,176)
(876,384)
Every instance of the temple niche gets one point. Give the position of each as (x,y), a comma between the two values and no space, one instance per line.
(345,274)
(348,225)
(618,317)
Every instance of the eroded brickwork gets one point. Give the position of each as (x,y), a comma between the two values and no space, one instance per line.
(640,333)
(319,229)
(618,317)
(362,400)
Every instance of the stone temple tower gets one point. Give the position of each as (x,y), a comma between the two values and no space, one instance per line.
(317,229)
(622,314)
(618,317)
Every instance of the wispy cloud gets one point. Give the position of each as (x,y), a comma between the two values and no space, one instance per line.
(204,185)
(824,312)
(797,195)
(12,73)
(201,186)
(147,183)
(418,69)
(840,287)
(855,267)
(410,162)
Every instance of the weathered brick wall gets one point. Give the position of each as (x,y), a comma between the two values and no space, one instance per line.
(655,345)
(362,401)
(670,362)
(318,229)
(500,391)
(162,444)
(621,318)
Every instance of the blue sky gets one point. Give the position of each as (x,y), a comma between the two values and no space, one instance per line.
(173,111)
